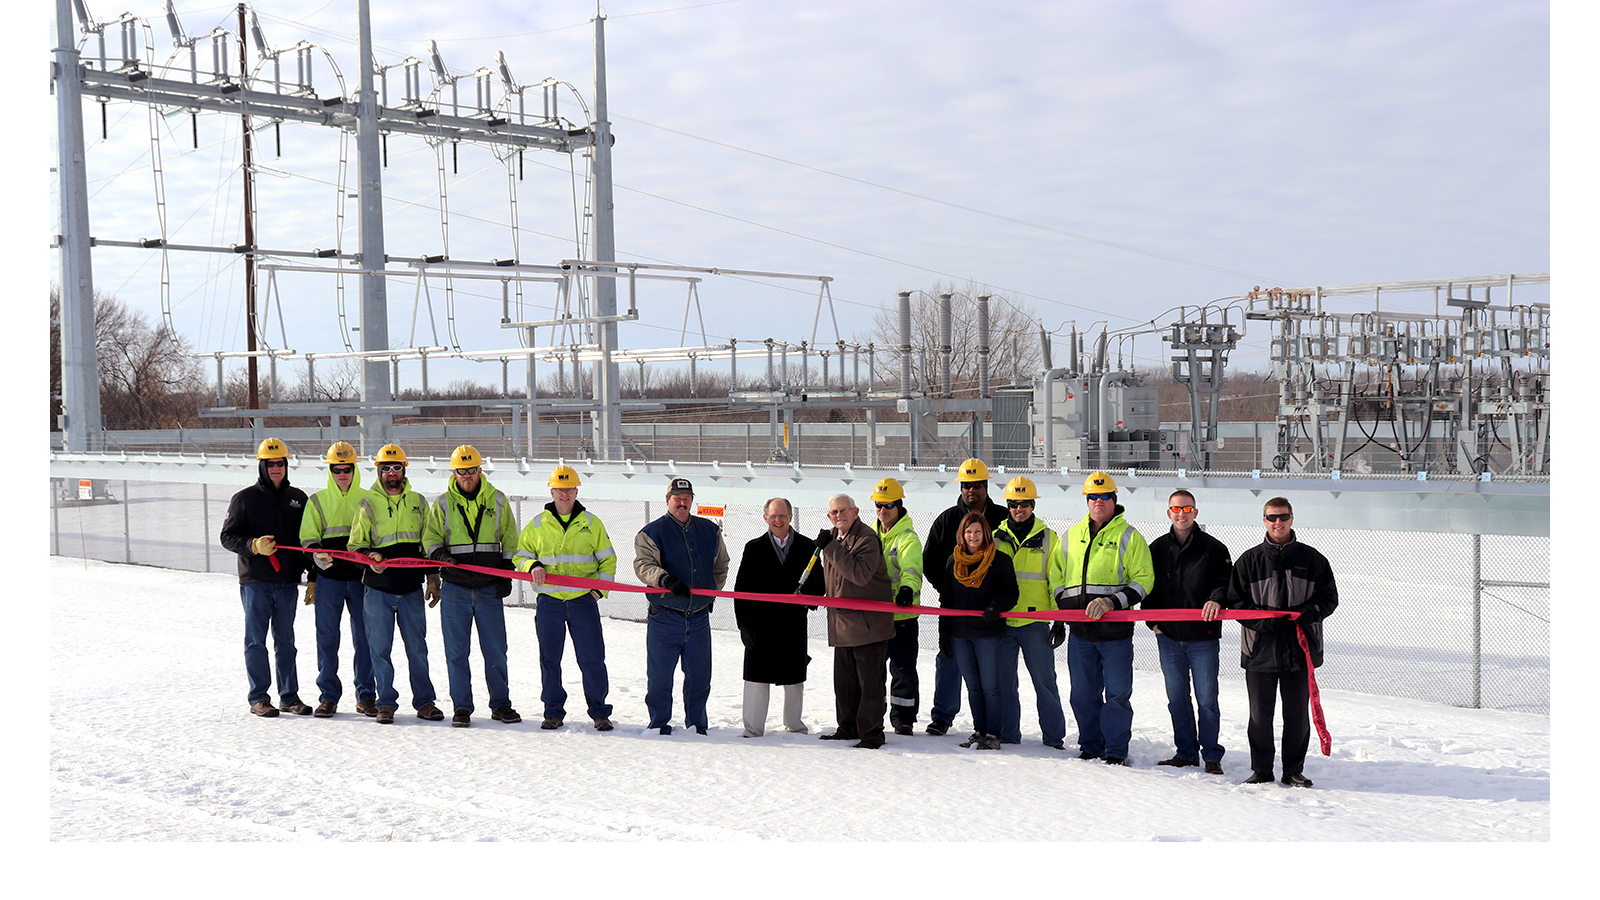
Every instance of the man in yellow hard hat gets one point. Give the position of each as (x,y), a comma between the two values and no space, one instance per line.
(326,526)
(566,539)
(973,478)
(257,517)
(1035,551)
(902,554)
(473,524)
(388,525)
(1107,567)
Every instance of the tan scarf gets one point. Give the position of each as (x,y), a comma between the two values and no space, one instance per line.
(971,567)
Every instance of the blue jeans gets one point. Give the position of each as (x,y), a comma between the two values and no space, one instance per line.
(552,619)
(270,606)
(946,690)
(671,637)
(1032,641)
(382,610)
(1180,659)
(333,599)
(981,661)
(1102,688)
(459,609)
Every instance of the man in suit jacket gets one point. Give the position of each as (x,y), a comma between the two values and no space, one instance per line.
(774,634)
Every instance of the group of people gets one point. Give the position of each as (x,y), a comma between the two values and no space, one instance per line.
(998,561)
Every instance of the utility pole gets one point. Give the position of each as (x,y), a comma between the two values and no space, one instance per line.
(374,289)
(249,229)
(80,364)
(608,424)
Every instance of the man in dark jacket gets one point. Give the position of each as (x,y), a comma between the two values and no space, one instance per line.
(1192,570)
(853,567)
(774,634)
(257,517)
(1280,573)
(936,550)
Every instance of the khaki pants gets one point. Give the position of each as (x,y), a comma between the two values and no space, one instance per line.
(756,698)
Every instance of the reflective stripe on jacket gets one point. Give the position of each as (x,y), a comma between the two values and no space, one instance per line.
(479,531)
(580,549)
(1040,567)
(1114,564)
(391,526)
(326,524)
(902,553)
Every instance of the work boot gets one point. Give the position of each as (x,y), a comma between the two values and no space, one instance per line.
(989,742)
(902,729)
(431,713)
(325,709)
(550,723)
(385,715)
(602,724)
(367,707)
(973,739)
(1115,760)
(264,709)
(1296,780)
(1177,762)
(1213,768)
(461,719)
(507,715)
(1087,755)
(937,727)
(1259,778)
(294,708)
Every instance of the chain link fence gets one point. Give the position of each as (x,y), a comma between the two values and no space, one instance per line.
(1456,619)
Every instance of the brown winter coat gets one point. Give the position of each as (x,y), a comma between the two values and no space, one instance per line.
(853,567)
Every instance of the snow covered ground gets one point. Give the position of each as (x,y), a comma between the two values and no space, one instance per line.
(182,759)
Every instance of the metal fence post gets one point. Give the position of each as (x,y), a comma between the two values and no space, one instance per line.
(55,519)
(1477,621)
(127,539)
(205,521)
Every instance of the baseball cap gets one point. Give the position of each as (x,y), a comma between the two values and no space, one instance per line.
(680,486)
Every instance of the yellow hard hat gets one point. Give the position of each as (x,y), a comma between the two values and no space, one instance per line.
(390,453)
(1021,488)
(272,448)
(465,457)
(564,477)
(973,470)
(341,453)
(888,491)
(1099,483)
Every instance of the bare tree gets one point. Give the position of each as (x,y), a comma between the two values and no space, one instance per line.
(1013,338)
(147,377)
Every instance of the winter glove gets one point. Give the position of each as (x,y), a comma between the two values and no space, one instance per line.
(430,592)
(991,615)
(311,592)
(903,596)
(1058,634)
(503,587)
(442,554)
(824,537)
(376,558)
(675,585)
(1098,607)
(264,546)
(323,560)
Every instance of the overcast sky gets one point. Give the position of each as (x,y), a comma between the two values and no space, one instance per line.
(1099,163)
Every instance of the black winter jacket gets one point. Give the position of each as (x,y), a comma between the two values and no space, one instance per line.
(1292,576)
(261,509)
(942,537)
(774,633)
(997,590)
(1188,575)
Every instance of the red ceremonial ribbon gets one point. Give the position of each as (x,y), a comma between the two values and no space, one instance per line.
(1053,615)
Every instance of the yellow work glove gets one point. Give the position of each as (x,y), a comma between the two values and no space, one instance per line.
(431,592)
(311,592)
(264,545)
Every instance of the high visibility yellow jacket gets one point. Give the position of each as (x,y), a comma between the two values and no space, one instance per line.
(480,530)
(577,548)
(902,553)
(1114,564)
(326,524)
(1035,551)
(391,526)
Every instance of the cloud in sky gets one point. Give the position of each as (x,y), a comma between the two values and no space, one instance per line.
(1102,161)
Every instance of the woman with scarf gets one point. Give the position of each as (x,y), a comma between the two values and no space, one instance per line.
(978,578)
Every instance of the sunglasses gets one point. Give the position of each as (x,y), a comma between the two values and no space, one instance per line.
(1111,496)
(471,471)
(392,467)
(889,505)
(1278,517)
(277,463)
(1019,504)
(341,470)
(1180,509)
